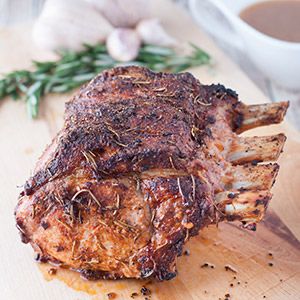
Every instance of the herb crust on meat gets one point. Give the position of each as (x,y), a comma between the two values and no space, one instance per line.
(143,162)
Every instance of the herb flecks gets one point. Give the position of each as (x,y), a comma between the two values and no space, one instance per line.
(230,268)
(73,69)
(86,191)
(124,225)
(90,158)
(64,224)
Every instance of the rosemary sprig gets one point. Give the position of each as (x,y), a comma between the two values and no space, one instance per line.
(73,69)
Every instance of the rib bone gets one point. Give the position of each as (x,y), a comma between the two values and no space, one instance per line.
(245,206)
(260,115)
(260,177)
(248,149)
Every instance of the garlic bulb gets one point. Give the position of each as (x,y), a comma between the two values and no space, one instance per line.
(123,44)
(67,24)
(123,13)
(151,32)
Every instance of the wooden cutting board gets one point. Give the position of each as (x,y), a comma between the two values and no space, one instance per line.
(267,261)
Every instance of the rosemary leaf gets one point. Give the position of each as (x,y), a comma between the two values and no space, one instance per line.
(83,77)
(73,69)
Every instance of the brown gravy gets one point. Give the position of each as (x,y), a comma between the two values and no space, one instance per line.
(279,19)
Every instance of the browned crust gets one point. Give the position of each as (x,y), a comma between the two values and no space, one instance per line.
(101,121)
(134,173)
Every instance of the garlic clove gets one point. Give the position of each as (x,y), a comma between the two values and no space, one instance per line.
(123,13)
(123,44)
(68,24)
(152,32)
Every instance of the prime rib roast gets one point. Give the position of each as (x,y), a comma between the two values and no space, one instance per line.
(143,162)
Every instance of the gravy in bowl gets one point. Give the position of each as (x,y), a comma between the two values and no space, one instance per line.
(279,19)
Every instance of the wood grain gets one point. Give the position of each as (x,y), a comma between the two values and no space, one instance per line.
(22,141)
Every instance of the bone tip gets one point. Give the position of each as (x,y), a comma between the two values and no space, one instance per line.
(283,107)
(276,168)
(282,139)
(279,137)
(285,104)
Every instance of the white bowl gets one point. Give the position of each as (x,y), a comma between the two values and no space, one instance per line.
(278,60)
